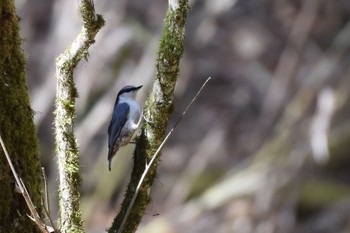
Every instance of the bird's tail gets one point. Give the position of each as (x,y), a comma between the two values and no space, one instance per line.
(109,164)
(109,159)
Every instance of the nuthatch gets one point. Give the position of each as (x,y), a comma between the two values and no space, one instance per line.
(125,120)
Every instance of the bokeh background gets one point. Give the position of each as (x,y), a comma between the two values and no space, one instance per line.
(264,149)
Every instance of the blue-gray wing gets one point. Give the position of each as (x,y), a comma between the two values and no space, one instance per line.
(119,117)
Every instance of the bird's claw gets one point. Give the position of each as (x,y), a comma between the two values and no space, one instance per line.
(147,120)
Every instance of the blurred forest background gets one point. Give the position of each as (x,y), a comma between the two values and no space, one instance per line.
(264,149)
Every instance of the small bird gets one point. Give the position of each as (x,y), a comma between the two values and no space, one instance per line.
(125,120)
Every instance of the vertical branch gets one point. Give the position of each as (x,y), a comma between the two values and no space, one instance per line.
(66,146)
(158,108)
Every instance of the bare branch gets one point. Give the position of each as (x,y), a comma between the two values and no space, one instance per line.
(66,146)
(35,216)
(47,202)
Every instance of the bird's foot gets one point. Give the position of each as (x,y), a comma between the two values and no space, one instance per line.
(147,120)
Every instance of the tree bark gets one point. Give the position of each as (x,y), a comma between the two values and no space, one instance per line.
(158,109)
(66,145)
(17,128)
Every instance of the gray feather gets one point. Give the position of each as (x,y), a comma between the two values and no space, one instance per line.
(119,117)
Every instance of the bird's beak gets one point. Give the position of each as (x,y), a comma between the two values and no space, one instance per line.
(137,88)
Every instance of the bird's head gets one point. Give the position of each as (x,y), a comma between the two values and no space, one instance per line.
(128,91)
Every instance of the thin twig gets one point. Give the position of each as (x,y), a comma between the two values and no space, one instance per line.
(47,202)
(31,204)
(24,191)
(42,197)
(155,156)
(10,163)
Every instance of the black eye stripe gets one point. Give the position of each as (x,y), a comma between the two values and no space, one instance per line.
(129,88)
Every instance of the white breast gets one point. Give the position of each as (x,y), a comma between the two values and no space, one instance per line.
(134,114)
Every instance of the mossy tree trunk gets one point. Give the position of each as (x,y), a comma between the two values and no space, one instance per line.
(16,128)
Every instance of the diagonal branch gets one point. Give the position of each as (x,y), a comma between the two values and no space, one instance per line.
(22,188)
(155,156)
(158,108)
(66,146)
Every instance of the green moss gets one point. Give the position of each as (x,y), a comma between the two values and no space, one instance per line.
(16,128)
(66,146)
(158,108)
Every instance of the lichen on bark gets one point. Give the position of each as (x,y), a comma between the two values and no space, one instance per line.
(66,145)
(158,109)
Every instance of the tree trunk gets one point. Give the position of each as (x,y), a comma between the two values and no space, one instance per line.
(16,128)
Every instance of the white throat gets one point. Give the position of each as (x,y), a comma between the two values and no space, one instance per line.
(135,110)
